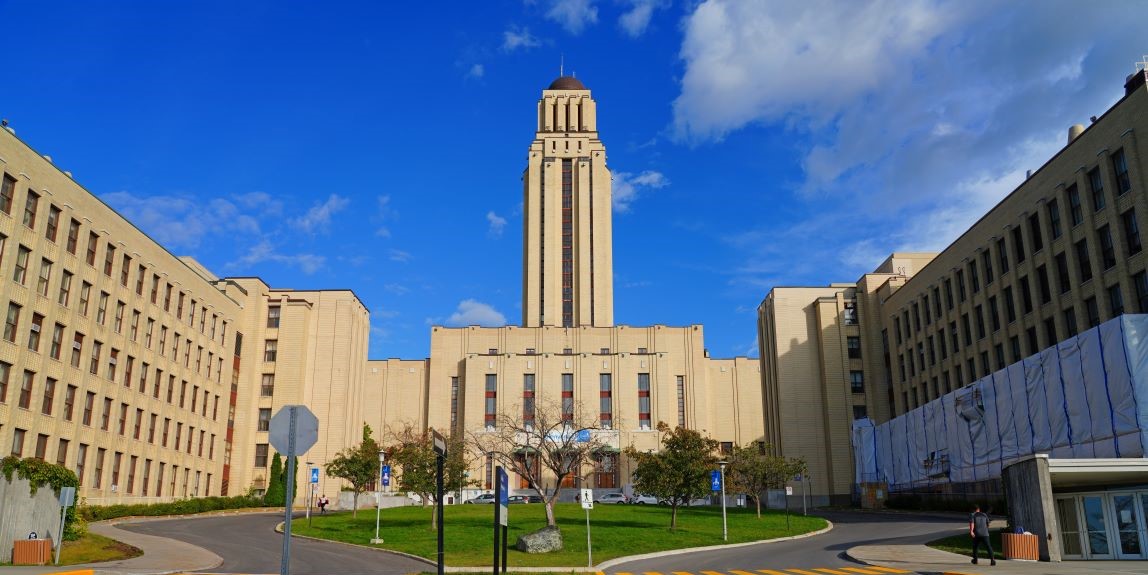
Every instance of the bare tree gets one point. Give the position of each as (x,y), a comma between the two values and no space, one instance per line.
(413,453)
(545,443)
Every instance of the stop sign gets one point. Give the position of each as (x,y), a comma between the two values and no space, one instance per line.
(293,424)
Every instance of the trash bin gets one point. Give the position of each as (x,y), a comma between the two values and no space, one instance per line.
(32,552)
(1024,546)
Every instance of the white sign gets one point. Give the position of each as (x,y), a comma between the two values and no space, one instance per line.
(305,429)
(587,498)
(789,490)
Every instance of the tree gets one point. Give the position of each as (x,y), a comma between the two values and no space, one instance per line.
(357,465)
(276,492)
(413,453)
(544,444)
(679,472)
(753,470)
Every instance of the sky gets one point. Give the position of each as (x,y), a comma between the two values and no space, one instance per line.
(379,146)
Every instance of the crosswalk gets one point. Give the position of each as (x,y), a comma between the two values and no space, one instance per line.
(866,570)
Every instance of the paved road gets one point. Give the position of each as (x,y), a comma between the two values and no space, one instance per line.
(820,552)
(248,543)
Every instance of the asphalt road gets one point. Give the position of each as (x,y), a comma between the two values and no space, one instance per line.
(248,543)
(821,551)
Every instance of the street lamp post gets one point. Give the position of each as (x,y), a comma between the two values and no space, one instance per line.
(378,497)
(724,526)
(310,491)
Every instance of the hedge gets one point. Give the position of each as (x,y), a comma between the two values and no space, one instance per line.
(177,507)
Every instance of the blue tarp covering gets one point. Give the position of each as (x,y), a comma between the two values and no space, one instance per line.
(1085,397)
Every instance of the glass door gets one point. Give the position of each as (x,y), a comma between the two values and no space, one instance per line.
(1128,526)
(1096,527)
(1069,521)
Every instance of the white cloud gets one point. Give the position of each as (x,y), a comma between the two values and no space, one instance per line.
(398,256)
(514,38)
(573,15)
(627,187)
(497,223)
(318,218)
(385,214)
(635,20)
(265,252)
(397,289)
(472,312)
(183,222)
(476,71)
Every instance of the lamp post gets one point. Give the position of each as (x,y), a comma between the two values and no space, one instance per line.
(379,498)
(310,491)
(724,526)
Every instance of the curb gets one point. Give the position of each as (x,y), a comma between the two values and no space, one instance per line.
(595,569)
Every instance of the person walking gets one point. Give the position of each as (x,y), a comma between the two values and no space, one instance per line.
(979,531)
(323,504)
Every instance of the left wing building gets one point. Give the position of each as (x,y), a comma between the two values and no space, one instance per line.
(155,379)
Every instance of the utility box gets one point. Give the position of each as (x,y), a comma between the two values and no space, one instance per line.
(873,495)
(32,552)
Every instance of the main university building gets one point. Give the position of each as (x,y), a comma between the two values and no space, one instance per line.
(155,379)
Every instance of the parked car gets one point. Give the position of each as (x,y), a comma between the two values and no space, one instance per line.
(692,503)
(487,498)
(524,499)
(642,499)
(612,498)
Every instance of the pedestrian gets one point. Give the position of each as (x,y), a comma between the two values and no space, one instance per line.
(979,531)
(323,504)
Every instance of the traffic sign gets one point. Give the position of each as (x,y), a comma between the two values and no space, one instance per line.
(386,475)
(314,475)
(715,480)
(789,490)
(439,443)
(306,430)
(587,498)
(503,496)
(67,496)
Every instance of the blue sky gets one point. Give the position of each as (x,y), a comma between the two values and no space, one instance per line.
(379,146)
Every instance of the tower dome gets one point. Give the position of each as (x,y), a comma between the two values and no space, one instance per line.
(567,83)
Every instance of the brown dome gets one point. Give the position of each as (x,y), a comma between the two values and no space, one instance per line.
(566,83)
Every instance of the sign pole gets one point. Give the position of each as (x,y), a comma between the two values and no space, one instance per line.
(804,492)
(285,565)
(497,516)
(440,452)
(67,498)
(504,532)
(587,498)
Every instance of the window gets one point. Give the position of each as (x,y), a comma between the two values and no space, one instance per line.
(25,400)
(1107,247)
(1140,283)
(69,402)
(45,277)
(1034,232)
(1054,217)
(113,359)
(125,270)
(1050,330)
(1002,254)
(167,297)
(122,422)
(261,455)
(20,271)
(681,389)
(135,327)
(137,425)
(998,349)
(986,368)
(7,188)
(5,372)
(954,339)
(264,419)
(857,381)
(968,332)
(491,400)
(1010,306)
(960,285)
(979,312)
(1096,184)
(106,417)
(41,446)
(65,288)
(267,389)
(12,322)
(30,206)
(928,312)
(154,288)
(18,442)
(1070,321)
(987,262)
(1131,232)
(974,279)
(528,400)
(118,321)
(1092,311)
(102,308)
(109,259)
(62,452)
(97,349)
(1064,282)
(1018,244)
(1025,296)
(77,348)
(270,350)
(606,400)
(1120,168)
(73,236)
(850,315)
(643,401)
(1030,337)
(49,397)
(567,397)
(151,428)
(1077,215)
(34,332)
(949,294)
(1115,301)
(81,459)
(1042,285)
(273,317)
(1083,259)
(93,241)
(853,344)
(453,402)
(85,295)
(89,405)
(141,272)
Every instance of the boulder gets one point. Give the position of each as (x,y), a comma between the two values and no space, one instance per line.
(544,540)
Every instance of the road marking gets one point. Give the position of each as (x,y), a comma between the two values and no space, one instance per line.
(887,569)
(651,573)
(802,571)
(712,573)
(736,572)
(860,570)
(830,571)
(682,573)
(771,572)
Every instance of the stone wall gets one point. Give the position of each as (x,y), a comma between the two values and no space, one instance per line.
(1030,503)
(22,513)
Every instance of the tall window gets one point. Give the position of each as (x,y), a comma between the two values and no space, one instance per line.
(1034,232)
(567,243)
(1002,254)
(30,206)
(1054,218)
(453,402)
(606,400)
(264,423)
(1096,184)
(567,397)
(1107,247)
(261,455)
(18,442)
(20,271)
(857,381)
(45,277)
(267,389)
(644,401)
(270,350)
(853,344)
(987,262)
(527,400)
(681,388)
(1115,300)
(273,317)
(81,459)
(1120,167)
(491,400)
(53,227)
(109,259)
(73,236)
(25,401)
(34,332)
(1084,260)
(7,188)
(1070,321)
(12,322)
(1092,310)
(1018,244)
(65,288)
(1010,306)
(1139,283)
(1131,232)
(49,396)
(93,241)
(1076,213)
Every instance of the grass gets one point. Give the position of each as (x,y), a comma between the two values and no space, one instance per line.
(963,544)
(92,548)
(616,531)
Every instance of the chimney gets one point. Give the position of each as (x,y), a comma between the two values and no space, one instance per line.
(1135,81)
(1075,131)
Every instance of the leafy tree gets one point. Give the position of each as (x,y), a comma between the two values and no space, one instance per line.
(753,470)
(357,465)
(544,444)
(276,492)
(413,453)
(679,472)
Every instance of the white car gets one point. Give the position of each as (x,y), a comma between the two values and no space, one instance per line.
(485,498)
(612,498)
(641,499)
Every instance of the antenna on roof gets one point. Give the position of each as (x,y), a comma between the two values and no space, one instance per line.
(1142,65)
(561,65)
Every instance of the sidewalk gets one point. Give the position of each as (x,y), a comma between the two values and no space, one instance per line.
(928,560)
(160,556)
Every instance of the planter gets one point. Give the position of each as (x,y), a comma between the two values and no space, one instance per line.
(1020,546)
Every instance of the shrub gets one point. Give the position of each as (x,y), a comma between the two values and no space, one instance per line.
(177,507)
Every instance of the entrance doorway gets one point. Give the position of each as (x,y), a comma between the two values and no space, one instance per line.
(1104,525)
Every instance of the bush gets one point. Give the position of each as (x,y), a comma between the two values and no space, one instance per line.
(178,507)
(40,473)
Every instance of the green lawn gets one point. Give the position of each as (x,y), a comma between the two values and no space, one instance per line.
(963,544)
(92,548)
(616,530)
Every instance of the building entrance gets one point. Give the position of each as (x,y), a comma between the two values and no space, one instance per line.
(1104,525)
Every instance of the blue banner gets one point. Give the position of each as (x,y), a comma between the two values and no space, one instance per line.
(715,480)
